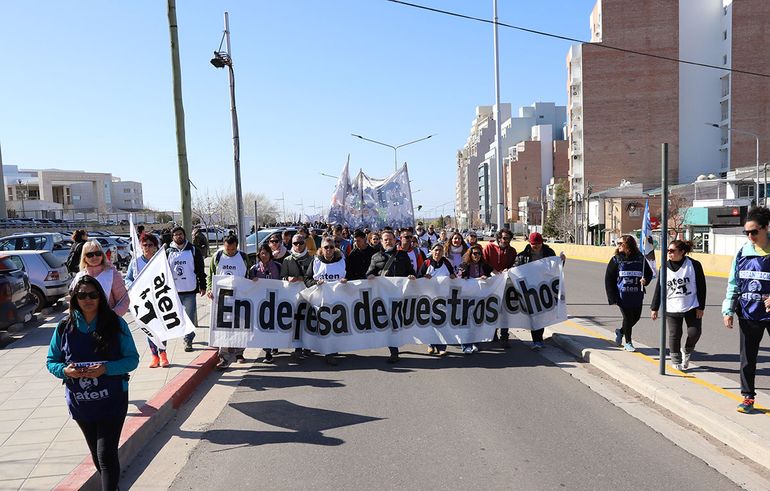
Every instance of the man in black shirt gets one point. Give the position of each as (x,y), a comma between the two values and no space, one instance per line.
(390,262)
(357,262)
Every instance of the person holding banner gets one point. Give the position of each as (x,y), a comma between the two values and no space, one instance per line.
(278,250)
(94,262)
(228,261)
(92,351)
(685,301)
(149,245)
(748,295)
(390,262)
(501,255)
(535,251)
(293,269)
(474,267)
(624,281)
(328,266)
(374,241)
(189,277)
(437,265)
(265,268)
(415,255)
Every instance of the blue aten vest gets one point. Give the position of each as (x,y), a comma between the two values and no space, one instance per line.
(91,399)
(753,280)
(630,273)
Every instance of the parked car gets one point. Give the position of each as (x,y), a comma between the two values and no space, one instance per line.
(216,234)
(49,241)
(16,304)
(48,276)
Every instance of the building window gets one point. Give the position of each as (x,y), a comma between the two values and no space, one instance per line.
(724,59)
(745,190)
(724,35)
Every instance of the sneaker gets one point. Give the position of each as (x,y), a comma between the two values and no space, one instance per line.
(432,350)
(678,366)
(392,359)
(155,362)
(331,361)
(223,364)
(296,356)
(240,359)
(442,352)
(188,345)
(619,337)
(629,347)
(268,357)
(537,346)
(475,348)
(164,359)
(686,360)
(468,350)
(747,406)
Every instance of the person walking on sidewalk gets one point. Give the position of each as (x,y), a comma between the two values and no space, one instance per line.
(624,282)
(534,251)
(189,276)
(149,245)
(748,295)
(228,261)
(92,351)
(501,255)
(94,262)
(437,266)
(685,301)
(79,238)
(393,262)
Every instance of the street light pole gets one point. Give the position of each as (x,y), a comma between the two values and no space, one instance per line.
(220,60)
(393,147)
(498,173)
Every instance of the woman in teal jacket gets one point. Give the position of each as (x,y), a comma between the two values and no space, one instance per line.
(93,351)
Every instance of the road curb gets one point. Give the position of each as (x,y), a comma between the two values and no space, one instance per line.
(153,415)
(737,437)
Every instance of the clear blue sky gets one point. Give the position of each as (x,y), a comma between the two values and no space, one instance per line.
(87,85)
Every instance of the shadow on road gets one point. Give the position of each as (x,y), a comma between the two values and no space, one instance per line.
(305,424)
(259,382)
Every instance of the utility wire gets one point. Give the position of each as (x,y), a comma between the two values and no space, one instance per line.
(574,40)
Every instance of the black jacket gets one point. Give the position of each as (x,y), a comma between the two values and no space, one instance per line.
(611,275)
(525,256)
(700,287)
(401,267)
(295,267)
(358,261)
(465,270)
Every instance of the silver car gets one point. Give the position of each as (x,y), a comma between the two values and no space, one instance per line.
(48,276)
(50,241)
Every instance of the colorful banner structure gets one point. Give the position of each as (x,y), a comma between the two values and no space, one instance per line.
(367,202)
(362,314)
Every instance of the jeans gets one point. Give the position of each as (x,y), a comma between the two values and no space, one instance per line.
(154,349)
(630,318)
(675,334)
(102,438)
(190,303)
(751,336)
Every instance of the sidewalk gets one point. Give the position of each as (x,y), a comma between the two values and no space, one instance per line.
(39,443)
(706,400)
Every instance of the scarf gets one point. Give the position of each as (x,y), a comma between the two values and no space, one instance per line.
(297,255)
(280,252)
(456,250)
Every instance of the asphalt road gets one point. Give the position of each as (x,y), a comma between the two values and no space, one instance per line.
(495,420)
(718,348)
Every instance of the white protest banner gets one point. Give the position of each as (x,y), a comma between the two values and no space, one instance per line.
(361,314)
(155,302)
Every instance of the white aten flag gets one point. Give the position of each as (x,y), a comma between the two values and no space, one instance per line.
(137,249)
(155,302)
(361,314)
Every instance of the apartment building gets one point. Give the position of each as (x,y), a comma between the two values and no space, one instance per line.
(622,106)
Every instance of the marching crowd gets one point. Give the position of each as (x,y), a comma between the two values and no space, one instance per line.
(93,351)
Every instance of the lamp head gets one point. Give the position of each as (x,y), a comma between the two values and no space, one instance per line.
(220,59)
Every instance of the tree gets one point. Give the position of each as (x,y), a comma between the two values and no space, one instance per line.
(559,222)
(164,218)
(218,208)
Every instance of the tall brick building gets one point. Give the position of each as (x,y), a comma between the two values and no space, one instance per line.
(622,106)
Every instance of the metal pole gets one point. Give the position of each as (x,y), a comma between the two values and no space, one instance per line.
(499,208)
(3,209)
(757,186)
(395,159)
(663,256)
(256,218)
(236,138)
(181,144)
(764,201)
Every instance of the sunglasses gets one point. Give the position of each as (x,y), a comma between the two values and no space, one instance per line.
(671,251)
(299,242)
(475,253)
(89,255)
(91,295)
(328,247)
(753,232)
(274,241)
(375,239)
